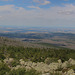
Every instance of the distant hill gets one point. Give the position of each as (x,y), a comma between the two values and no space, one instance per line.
(4,41)
(66,40)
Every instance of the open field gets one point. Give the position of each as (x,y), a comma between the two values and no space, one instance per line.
(66,40)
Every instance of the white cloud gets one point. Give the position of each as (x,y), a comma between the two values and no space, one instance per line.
(66,12)
(45,2)
(33,7)
(69,9)
(42,2)
(12,15)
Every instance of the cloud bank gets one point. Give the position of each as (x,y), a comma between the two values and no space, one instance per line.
(54,16)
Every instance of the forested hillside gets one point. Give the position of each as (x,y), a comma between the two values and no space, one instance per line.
(12,58)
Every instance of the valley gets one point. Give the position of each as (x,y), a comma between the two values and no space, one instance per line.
(66,40)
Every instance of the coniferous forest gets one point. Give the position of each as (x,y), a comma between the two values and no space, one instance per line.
(20,60)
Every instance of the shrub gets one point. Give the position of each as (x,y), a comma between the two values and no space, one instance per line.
(57,73)
(73,67)
(14,63)
(3,69)
(50,60)
(2,57)
(22,71)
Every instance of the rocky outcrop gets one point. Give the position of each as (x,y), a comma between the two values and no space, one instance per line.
(46,69)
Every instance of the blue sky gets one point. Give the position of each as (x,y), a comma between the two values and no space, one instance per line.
(49,13)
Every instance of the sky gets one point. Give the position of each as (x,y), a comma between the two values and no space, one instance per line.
(37,13)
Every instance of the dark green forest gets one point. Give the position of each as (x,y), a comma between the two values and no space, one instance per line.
(36,54)
(31,54)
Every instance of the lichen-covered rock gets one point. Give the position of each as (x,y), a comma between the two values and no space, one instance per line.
(29,63)
(59,61)
(71,61)
(8,60)
(34,64)
(41,67)
(70,72)
(65,64)
(28,68)
(17,67)
(22,62)
(46,69)
(46,74)
(53,66)
(47,61)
